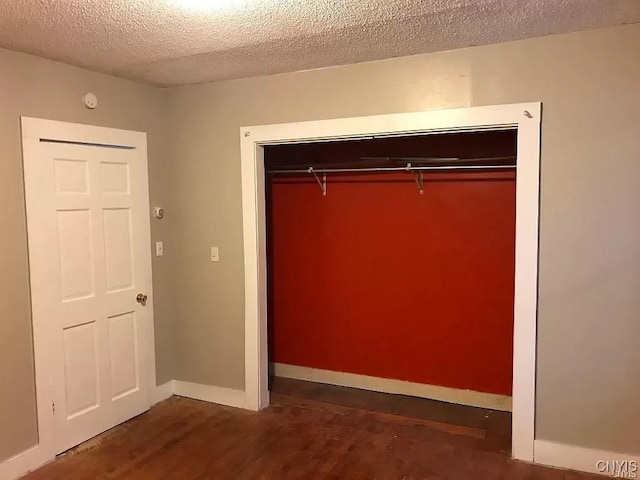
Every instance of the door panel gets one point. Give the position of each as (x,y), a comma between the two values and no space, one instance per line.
(71,176)
(123,342)
(118,249)
(76,254)
(115,177)
(81,369)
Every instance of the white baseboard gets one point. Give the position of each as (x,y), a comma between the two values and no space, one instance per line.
(585,459)
(23,463)
(208,393)
(162,392)
(388,385)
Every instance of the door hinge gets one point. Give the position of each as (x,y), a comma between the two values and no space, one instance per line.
(53,407)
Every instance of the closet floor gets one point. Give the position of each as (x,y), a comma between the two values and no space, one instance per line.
(491,428)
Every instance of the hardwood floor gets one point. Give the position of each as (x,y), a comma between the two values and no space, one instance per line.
(311,431)
(492,427)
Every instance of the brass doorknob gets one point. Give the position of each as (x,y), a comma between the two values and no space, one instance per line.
(141,299)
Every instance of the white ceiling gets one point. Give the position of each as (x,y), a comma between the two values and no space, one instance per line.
(174,42)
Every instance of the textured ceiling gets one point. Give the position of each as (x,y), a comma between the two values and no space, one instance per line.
(173,42)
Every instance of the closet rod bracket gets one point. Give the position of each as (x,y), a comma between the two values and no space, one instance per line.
(322,183)
(419,178)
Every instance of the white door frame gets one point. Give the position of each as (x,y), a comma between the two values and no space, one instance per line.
(525,117)
(33,130)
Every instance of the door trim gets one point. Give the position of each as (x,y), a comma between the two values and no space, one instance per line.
(526,117)
(33,131)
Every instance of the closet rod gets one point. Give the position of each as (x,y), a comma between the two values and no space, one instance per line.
(408,168)
(440,159)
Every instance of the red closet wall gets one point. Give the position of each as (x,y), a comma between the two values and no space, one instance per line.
(378,280)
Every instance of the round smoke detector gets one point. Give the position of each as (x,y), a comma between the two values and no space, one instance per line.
(90,101)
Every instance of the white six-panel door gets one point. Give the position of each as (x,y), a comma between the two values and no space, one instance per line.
(89,247)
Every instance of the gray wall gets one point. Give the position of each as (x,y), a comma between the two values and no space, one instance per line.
(589,306)
(39,88)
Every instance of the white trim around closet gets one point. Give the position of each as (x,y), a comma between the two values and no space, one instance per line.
(526,117)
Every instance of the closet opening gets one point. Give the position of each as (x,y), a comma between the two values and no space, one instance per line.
(390,268)
(525,118)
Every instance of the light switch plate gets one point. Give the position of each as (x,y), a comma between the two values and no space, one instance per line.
(159,249)
(215,254)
